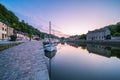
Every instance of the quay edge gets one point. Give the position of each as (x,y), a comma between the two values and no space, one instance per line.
(24,62)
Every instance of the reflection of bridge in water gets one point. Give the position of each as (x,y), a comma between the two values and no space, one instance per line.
(103,50)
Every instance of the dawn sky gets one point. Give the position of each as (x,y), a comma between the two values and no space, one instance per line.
(67,16)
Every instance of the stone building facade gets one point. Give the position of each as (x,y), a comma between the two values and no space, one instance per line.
(5,31)
(9,32)
(99,34)
(20,35)
(75,37)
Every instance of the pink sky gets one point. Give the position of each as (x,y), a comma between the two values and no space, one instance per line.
(68,17)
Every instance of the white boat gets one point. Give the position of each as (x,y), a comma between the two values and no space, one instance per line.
(49,46)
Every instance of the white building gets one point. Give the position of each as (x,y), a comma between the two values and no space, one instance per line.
(20,35)
(99,34)
(3,31)
(74,37)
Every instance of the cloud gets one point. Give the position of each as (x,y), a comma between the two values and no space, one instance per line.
(39,23)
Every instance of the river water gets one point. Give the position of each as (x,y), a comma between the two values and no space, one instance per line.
(85,62)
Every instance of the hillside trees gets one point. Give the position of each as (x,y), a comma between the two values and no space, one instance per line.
(13,21)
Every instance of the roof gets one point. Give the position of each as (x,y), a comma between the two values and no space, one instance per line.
(98,30)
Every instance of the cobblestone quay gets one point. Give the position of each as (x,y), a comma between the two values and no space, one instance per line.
(24,62)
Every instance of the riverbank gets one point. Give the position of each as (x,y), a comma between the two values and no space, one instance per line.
(8,44)
(104,42)
(24,62)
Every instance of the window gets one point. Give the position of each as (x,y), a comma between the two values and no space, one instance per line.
(3,29)
(99,37)
(102,37)
(5,35)
(2,36)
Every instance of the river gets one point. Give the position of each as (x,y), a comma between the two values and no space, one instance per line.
(85,62)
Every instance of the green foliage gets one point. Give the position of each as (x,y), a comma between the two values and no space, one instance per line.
(112,29)
(62,38)
(83,36)
(13,21)
(13,38)
(118,27)
(117,34)
(42,35)
(115,29)
(108,37)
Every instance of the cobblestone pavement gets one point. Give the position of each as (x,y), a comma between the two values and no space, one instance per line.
(23,62)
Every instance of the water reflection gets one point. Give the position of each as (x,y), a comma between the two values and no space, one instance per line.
(50,55)
(76,44)
(103,50)
(80,62)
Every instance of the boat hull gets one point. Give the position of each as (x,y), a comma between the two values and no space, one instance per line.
(50,47)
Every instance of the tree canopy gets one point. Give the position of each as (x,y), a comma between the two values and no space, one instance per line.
(9,17)
(115,29)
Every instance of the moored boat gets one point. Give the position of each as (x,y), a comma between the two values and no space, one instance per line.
(49,46)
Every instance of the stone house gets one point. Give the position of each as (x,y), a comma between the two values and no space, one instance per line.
(74,37)
(9,32)
(5,31)
(99,34)
(20,35)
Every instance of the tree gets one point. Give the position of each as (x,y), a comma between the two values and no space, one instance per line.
(118,27)
(83,36)
(107,37)
(117,34)
(8,16)
(13,38)
(115,29)
(62,38)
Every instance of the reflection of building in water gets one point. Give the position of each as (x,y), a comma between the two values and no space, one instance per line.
(77,44)
(115,52)
(98,49)
(104,50)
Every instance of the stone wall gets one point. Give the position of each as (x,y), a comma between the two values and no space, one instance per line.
(99,34)
(115,38)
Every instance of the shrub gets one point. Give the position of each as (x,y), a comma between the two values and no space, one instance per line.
(13,38)
(108,37)
(116,34)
